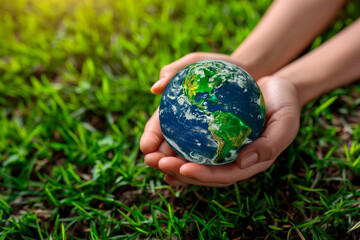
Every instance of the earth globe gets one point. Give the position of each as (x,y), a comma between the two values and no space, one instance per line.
(210,110)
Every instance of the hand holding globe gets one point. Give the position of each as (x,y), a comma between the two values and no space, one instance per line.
(210,110)
(282,121)
(286,86)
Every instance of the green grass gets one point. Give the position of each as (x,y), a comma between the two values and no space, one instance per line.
(74,99)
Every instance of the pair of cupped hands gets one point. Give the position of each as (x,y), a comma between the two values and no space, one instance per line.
(281,126)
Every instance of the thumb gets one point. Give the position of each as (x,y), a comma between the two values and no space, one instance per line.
(280,131)
(169,71)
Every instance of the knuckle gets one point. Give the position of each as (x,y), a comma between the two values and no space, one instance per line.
(269,151)
(288,114)
(164,69)
(147,126)
(272,152)
(194,56)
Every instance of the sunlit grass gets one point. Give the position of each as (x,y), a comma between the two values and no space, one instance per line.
(74,99)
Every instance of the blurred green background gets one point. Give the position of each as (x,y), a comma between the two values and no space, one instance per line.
(74,99)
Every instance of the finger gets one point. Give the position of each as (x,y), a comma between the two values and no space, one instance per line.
(152,159)
(166,150)
(152,136)
(223,174)
(171,165)
(169,71)
(180,180)
(173,181)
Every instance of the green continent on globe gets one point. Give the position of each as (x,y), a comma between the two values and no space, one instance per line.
(201,83)
(229,131)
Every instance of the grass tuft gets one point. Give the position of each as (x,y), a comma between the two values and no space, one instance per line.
(74,100)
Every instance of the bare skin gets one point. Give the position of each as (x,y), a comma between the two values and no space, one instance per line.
(282,113)
(334,64)
(284,31)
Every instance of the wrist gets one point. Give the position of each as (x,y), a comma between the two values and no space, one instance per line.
(302,82)
(252,61)
(332,65)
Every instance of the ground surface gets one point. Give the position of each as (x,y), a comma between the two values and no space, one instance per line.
(74,99)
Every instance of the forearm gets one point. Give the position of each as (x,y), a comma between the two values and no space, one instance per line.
(334,64)
(284,31)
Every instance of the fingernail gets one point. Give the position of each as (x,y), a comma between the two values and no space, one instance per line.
(249,159)
(158,82)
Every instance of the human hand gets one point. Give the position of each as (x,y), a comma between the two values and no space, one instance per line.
(282,123)
(168,71)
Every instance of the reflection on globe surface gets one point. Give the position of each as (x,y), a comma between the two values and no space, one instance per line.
(211,110)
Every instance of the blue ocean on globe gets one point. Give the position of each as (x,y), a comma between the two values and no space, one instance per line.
(210,110)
